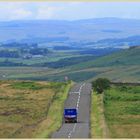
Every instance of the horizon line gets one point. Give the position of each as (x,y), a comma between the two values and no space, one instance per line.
(94,18)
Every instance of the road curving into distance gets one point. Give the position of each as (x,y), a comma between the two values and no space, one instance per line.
(79,97)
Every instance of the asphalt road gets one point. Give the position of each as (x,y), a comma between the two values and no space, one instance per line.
(79,97)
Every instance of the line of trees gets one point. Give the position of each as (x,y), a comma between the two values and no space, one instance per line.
(19,52)
(9,54)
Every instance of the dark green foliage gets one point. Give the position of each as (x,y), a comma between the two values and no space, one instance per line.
(8,63)
(9,54)
(18,45)
(38,51)
(123,88)
(67,62)
(27,85)
(100,85)
(31,85)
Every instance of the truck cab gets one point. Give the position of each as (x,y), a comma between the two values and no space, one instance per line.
(70,115)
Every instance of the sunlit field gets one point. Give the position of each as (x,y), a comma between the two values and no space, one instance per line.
(24,105)
(122,111)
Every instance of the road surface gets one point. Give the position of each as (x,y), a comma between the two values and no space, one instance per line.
(79,97)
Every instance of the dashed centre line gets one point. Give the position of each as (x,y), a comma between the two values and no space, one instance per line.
(77,106)
(74,92)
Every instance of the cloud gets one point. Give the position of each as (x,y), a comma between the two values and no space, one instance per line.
(20,14)
(67,10)
(14,11)
(46,12)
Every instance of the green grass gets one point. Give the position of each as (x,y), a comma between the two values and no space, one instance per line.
(96,116)
(122,58)
(99,128)
(54,118)
(53,57)
(116,67)
(75,76)
(122,111)
(27,85)
(32,85)
(120,73)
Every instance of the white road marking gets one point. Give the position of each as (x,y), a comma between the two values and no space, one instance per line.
(77,106)
(79,95)
(72,130)
(74,92)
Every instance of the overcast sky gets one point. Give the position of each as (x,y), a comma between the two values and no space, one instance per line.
(67,10)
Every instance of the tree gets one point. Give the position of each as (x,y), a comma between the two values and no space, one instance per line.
(100,84)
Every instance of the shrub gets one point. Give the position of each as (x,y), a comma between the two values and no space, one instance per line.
(100,84)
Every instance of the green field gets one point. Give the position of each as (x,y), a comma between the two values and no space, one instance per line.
(122,111)
(126,57)
(28,109)
(116,113)
(121,66)
(117,74)
(54,56)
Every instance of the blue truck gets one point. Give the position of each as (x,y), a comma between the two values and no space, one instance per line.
(70,115)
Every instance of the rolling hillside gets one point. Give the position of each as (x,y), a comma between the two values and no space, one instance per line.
(124,57)
(119,66)
(123,65)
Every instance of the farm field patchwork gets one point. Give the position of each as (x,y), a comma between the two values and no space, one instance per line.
(119,66)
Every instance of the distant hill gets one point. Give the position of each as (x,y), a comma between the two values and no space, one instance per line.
(123,65)
(124,57)
(83,31)
(120,66)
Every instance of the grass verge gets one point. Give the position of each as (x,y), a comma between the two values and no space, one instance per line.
(119,108)
(54,119)
(98,125)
